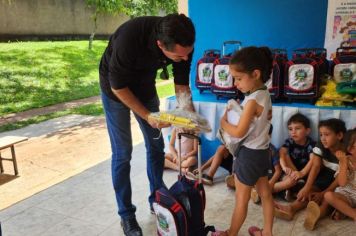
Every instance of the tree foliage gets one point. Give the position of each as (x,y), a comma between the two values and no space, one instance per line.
(150,7)
(131,8)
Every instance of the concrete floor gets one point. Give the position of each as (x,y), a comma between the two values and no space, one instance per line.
(85,205)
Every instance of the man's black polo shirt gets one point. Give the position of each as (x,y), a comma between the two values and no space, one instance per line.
(132,58)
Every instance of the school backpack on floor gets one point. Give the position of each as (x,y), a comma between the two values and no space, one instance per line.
(180,210)
(302,79)
(275,84)
(222,84)
(205,68)
(343,67)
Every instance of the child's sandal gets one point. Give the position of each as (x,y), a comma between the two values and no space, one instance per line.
(220,233)
(191,175)
(283,214)
(254,229)
(337,215)
(312,215)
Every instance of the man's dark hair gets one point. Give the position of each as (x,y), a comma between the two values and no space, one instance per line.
(336,125)
(176,29)
(299,118)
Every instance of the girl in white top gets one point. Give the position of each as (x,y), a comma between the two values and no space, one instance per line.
(344,197)
(251,68)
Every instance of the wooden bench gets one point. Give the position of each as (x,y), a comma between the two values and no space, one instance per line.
(9,142)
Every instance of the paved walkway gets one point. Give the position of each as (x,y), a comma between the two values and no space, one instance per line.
(85,205)
(14,117)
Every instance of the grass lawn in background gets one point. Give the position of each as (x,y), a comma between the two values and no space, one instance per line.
(38,74)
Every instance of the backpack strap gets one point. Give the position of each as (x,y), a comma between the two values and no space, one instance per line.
(209,228)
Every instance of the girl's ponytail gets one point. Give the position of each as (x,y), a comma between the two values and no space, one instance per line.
(268,58)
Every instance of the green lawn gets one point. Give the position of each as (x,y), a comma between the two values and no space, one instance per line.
(38,74)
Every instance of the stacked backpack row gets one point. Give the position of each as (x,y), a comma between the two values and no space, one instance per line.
(213,71)
(300,78)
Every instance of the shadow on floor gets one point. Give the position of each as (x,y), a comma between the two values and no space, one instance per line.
(5,178)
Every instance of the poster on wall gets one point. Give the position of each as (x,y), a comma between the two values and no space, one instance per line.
(340,25)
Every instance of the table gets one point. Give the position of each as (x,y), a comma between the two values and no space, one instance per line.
(213,110)
(9,142)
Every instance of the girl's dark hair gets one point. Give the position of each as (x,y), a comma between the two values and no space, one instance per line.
(336,125)
(249,59)
(175,29)
(299,118)
(350,138)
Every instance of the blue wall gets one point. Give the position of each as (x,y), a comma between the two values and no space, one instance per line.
(288,24)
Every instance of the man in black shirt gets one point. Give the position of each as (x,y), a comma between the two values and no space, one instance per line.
(127,79)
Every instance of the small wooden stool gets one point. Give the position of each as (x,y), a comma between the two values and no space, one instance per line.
(9,142)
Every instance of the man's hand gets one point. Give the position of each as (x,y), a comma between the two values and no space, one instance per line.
(154,123)
(303,195)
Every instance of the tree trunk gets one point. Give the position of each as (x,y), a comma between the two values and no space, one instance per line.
(91,38)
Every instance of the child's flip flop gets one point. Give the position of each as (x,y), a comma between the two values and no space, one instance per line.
(337,215)
(282,214)
(219,233)
(254,229)
(312,215)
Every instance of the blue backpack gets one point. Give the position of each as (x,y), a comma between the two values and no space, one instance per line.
(180,210)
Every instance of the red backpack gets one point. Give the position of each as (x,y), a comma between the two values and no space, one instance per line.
(222,84)
(302,77)
(343,67)
(205,67)
(275,84)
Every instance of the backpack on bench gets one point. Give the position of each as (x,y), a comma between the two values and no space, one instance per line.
(275,84)
(205,69)
(302,78)
(222,84)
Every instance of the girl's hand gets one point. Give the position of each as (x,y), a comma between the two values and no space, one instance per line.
(303,195)
(287,170)
(175,157)
(341,156)
(223,119)
(316,197)
(296,175)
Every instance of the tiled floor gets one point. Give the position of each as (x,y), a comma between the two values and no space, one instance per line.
(85,205)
